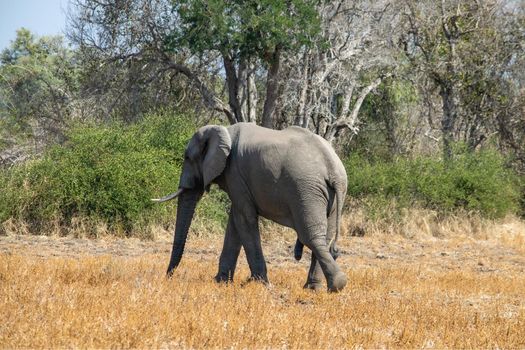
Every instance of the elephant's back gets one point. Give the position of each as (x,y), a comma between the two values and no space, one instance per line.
(295,150)
(312,151)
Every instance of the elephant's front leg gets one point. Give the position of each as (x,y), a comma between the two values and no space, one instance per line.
(247,225)
(230,253)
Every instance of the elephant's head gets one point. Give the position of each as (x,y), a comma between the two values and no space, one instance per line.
(204,160)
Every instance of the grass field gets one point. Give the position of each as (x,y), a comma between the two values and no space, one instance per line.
(459,292)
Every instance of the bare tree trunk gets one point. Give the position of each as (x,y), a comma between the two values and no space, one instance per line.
(450,114)
(242,89)
(272,91)
(351,121)
(301,106)
(306,117)
(208,97)
(347,98)
(233,88)
(448,91)
(364,93)
(252,93)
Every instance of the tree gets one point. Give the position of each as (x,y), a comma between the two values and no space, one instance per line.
(309,63)
(208,42)
(463,48)
(125,70)
(328,82)
(505,100)
(393,122)
(244,33)
(37,85)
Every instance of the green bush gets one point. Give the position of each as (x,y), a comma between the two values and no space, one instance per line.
(478,182)
(107,173)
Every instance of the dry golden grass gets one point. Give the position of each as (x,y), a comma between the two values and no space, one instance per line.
(402,293)
(417,223)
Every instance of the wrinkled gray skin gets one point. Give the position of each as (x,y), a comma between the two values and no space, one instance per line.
(292,177)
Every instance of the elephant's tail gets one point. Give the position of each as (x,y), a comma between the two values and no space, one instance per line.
(339,201)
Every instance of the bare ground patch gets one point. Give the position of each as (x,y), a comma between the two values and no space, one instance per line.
(464,252)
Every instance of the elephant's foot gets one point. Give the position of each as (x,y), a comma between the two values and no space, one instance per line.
(337,283)
(224,277)
(315,286)
(258,279)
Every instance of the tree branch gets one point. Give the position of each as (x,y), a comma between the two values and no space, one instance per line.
(350,122)
(210,100)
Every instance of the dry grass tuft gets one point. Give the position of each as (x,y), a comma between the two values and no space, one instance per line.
(14,227)
(426,223)
(88,227)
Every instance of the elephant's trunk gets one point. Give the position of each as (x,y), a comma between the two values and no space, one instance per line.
(185,210)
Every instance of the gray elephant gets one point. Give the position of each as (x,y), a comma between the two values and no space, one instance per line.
(291,176)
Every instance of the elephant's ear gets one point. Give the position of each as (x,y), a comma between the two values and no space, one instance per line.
(217,148)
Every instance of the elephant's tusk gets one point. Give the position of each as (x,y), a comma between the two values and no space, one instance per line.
(168,197)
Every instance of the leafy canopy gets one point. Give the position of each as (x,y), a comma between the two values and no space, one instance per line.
(244,28)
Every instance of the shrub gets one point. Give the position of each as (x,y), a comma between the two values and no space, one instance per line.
(477,182)
(107,173)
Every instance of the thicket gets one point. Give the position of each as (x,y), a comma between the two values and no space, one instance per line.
(478,182)
(106,173)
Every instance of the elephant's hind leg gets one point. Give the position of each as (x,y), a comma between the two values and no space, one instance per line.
(230,253)
(315,275)
(298,250)
(314,280)
(335,278)
(314,236)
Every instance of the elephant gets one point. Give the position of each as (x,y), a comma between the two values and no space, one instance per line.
(292,177)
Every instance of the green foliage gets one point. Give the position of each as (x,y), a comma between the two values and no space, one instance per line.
(244,28)
(387,120)
(108,173)
(478,182)
(38,78)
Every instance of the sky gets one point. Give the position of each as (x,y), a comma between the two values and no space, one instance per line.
(42,17)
